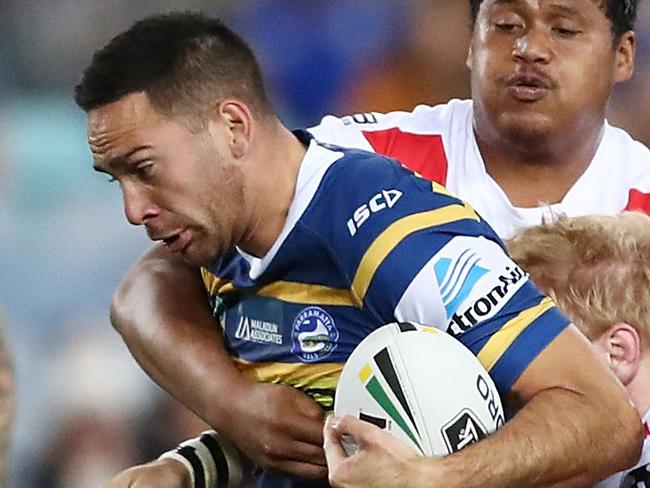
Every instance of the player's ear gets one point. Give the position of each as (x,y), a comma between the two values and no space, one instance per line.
(468,59)
(622,344)
(625,55)
(237,119)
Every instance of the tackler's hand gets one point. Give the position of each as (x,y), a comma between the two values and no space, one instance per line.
(279,429)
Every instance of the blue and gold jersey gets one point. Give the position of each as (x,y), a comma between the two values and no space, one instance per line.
(367,242)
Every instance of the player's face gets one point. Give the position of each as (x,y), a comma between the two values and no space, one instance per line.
(544,67)
(176,179)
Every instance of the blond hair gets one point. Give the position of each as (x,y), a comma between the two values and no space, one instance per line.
(596,268)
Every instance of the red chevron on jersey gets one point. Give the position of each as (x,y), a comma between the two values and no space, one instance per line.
(638,200)
(422,153)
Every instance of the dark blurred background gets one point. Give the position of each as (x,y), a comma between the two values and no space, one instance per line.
(85,410)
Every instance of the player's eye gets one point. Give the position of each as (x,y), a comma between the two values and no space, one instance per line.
(144,170)
(506,22)
(566,32)
(507,26)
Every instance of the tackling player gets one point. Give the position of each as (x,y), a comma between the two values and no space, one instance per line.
(307,247)
(597,269)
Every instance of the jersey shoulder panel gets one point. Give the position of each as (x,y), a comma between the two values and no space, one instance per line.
(417,139)
(375,215)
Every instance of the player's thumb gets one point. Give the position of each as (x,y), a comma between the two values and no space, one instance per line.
(359,430)
(334,452)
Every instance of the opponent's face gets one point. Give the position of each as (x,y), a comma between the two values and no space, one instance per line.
(543,67)
(178,181)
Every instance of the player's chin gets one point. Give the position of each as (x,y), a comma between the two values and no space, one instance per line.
(197,255)
(529,125)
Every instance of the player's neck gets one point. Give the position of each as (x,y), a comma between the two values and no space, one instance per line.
(274,174)
(535,174)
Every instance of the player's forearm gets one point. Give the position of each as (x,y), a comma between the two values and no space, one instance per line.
(560,439)
(161,311)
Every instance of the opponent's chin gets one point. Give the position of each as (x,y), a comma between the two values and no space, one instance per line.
(529,126)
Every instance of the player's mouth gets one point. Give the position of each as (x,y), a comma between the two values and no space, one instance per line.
(528,87)
(176,242)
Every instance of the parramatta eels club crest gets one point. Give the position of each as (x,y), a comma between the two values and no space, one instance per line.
(314,335)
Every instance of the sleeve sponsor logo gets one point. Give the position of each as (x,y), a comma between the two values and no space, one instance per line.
(475,281)
(457,278)
(382,200)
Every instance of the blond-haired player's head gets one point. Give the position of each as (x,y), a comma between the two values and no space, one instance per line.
(597,268)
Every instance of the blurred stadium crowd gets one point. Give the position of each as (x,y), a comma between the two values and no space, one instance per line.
(85,410)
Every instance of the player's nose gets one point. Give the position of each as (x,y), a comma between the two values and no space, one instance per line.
(533,46)
(138,205)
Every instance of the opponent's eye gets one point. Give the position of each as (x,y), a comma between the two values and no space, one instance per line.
(507,26)
(566,31)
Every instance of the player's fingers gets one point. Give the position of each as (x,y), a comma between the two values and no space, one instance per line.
(334,452)
(362,432)
(307,430)
(305,452)
(302,470)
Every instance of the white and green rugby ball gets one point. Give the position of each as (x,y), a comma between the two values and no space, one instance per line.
(421,385)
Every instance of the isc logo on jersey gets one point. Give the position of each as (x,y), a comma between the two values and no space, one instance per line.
(380,201)
(476,278)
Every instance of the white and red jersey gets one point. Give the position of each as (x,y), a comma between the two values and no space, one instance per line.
(639,475)
(439,143)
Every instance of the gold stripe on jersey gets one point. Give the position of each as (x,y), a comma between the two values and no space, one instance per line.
(294,292)
(506,335)
(394,234)
(438,188)
(213,284)
(287,291)
(435,186)
(317,380)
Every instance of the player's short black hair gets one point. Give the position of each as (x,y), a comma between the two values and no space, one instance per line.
(184,61)
(621,14)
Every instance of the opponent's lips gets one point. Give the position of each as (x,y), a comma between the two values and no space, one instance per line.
(532,79)
(529,86)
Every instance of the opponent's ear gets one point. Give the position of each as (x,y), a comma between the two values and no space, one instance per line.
(625,56)
(622,344)
(237,119)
